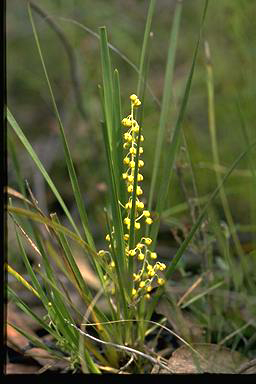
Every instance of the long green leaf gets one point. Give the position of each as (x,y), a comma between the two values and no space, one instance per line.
(166,102)
(174,144)
(13,123)
(68,158)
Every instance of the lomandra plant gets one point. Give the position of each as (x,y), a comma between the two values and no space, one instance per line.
(132,279)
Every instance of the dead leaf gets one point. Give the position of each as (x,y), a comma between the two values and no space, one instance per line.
(212,359)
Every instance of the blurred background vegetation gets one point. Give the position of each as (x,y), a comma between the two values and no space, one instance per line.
(229,29)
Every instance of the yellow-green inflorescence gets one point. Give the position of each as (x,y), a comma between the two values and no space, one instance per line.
(147,267)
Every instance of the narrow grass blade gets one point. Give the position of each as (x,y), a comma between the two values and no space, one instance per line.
(21,280)
(13,123)
(107,84)
(143,61)
(174,144)
(215,153)
(71,262)
(117,143)
(202,294)
(114,49)
(166,102)
(68,158)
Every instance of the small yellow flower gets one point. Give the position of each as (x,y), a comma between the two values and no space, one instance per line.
(130,188)
(107,237)
(142,284)
(132,164)
(133,97)
(160,281)
(124,175)
(147,296)
(139,204)
(146,213)
(101,253)
(149,288)
(139,191)
(149,220)
(126,237)
(127,220)
(132,151)
(137,225)
(148,241)
(141,163)
(132,252)
(130,178)
(134,292)
(126,160)
(153,255)
(140,177)
(135,277)
(141,256)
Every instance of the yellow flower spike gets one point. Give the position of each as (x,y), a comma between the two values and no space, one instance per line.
(142,284)
(146,213)
(141,163)
(137,225)
(153,255)
(160,281)
(107,237)
(101,253)
(149,220)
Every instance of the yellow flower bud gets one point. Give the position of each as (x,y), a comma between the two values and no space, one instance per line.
(146,213)
(137,225)
(149,220)
(160,281)
(153,255)
(148,241)
(133,97)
